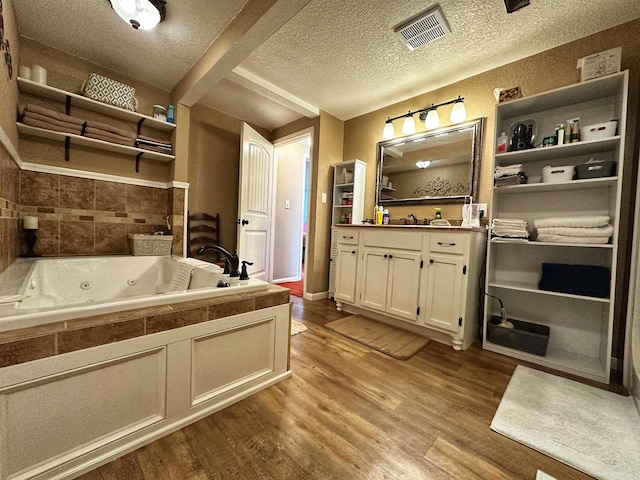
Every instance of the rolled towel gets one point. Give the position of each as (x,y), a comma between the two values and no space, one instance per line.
(110,128)
(95,136)
(50,126)
(566,239)
(587,221)
(43,118)
(577,232)
(30,107)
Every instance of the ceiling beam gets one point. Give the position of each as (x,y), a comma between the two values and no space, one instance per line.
(253,25)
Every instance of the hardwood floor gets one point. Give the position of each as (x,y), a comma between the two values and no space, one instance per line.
(349,412)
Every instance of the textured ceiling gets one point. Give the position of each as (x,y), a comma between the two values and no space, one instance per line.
(340,56)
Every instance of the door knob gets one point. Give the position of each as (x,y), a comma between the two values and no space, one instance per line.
(241,221)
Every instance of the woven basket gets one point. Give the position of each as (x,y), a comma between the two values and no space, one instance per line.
(150,244)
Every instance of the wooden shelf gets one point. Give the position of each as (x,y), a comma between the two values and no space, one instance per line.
(533,288)
(557,151)
(533,243)
(560,186)
(52,93)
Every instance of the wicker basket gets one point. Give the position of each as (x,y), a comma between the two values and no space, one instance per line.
(150,244)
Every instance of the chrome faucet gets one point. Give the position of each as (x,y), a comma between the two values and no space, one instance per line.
(415,219)
(233,260)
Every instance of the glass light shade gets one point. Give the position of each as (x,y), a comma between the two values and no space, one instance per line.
(388,132)
(458,112)
(432,120)
(423,163)
(140,14)
(409,125)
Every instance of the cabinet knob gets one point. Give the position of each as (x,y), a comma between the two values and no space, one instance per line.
(386,256)
(390,256)
(431,260)
(353,252)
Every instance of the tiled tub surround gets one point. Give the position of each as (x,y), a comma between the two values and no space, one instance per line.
(9,210)
(80,216)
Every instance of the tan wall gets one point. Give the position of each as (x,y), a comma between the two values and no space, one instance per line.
(548,70)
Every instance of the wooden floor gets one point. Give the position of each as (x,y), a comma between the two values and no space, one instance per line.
(349,412)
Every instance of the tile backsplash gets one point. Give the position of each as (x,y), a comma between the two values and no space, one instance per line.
(80,216)
(9,209)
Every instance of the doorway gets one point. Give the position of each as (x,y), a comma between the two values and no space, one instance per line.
(291,206)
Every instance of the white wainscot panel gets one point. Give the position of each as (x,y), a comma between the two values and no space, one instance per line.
(80,409)
(231,358)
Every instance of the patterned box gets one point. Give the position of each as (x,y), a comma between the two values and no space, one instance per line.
(109,91)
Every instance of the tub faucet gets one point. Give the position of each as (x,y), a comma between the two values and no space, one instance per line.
(415,219)
(233,260)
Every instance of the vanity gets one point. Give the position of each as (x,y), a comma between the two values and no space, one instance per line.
(420,278)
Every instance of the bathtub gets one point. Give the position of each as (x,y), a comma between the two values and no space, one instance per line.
(39,291)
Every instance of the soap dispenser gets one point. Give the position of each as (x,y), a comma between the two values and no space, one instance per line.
(244,276)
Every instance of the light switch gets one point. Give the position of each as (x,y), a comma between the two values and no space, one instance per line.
(324,197)
(286,204)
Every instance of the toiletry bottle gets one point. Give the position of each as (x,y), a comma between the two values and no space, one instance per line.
(375,214)
(379,216)
(385,217)
(560,134)
(438,214)
(170,114)
(575,132)
(503,140)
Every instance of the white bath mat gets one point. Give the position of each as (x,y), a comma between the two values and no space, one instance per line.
(592,430)
(297,327)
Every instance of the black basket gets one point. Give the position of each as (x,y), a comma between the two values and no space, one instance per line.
(525,336)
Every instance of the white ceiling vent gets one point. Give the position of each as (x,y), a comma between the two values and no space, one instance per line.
(423,28)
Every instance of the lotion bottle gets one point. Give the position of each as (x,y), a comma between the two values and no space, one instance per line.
(385,217)
(379,215)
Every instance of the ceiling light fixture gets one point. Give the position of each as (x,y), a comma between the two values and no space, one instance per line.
(423,163)
(429,115)
(140,14)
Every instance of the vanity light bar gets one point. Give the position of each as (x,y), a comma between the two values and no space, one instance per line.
(428,115)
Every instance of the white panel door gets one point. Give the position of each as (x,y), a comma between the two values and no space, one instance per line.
(444,292)
(404,277)
(373,287)
(254,202)
(346,261)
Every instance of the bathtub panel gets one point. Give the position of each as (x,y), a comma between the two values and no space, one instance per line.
(79,410)
(226,360)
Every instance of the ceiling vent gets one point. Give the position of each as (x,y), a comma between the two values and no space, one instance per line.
(423,28)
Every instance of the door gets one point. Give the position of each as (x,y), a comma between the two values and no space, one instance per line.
(375,270)
(404,278)
(346,273)
(444,292)
(254,202)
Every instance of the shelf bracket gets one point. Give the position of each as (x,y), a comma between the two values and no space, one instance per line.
(67,142)
(138,156)
(139,126)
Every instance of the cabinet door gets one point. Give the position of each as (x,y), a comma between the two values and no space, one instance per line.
(402,287)
(373,286)
(346,267)
(445,302)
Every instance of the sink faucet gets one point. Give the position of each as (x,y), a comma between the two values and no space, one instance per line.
(233,260)
(415,220)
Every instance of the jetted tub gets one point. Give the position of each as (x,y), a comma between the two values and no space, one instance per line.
(39,291)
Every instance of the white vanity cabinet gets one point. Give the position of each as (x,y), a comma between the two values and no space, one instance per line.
(346,263)
(424,279)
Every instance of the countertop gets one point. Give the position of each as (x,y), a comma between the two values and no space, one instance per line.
(456,228)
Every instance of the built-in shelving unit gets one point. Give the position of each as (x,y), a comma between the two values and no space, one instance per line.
(69,99)
(581,327)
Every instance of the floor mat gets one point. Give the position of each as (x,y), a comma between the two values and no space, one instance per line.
(592,430)
(392,341)
(297,327)
(296,288)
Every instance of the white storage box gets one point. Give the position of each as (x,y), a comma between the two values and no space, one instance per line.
(150,244)
(557,174)
(598,131)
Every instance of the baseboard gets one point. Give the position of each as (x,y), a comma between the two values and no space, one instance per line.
(316,296)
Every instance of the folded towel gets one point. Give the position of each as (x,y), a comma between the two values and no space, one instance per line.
(50,126)
(509,180)
(583,222)
(152,140)
(111,129)
(181,277)
(167,151)
(577,232)
(43,118)
(30,107)
(566,239)
(507,170)
(95,136)
(105,134)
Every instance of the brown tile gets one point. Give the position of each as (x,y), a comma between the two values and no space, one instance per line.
(46,210)
(12,353)
(111,238)
(139,199)
(231,308)
(122,214)
(10,182)
(138,313)
(110,196)
(40,189)
(272,298)
(139,220)
(48,242)
(161,201)
(176,201)
(85,218)
(176,247)
(77,193)
(31,332)
(77,238)
(73,340)
(168,321)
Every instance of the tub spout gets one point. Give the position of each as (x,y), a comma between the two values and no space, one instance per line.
(233,260)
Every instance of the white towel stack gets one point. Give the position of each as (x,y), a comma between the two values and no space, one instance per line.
(587,229)
(509,175)
(510,228)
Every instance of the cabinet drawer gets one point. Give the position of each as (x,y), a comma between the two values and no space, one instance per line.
(448,243)
(348,236)
(384,238)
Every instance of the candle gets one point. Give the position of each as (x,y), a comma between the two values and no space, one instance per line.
(30,223)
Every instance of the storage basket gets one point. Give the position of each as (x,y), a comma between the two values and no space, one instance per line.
(557,174)
(605,168)
(150,244)
(598,131)
(524,336)
(106,90)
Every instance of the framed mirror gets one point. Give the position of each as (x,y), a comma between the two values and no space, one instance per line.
(438,166)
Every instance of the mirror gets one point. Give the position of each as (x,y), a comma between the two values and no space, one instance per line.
(439,166)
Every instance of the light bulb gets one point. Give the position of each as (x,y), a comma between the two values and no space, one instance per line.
(141,14)
(388,132)
(409,125)
(458,112)
(432,120)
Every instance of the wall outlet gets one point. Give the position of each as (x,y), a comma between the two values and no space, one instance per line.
(287,204)
(482,208)
(324,197)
